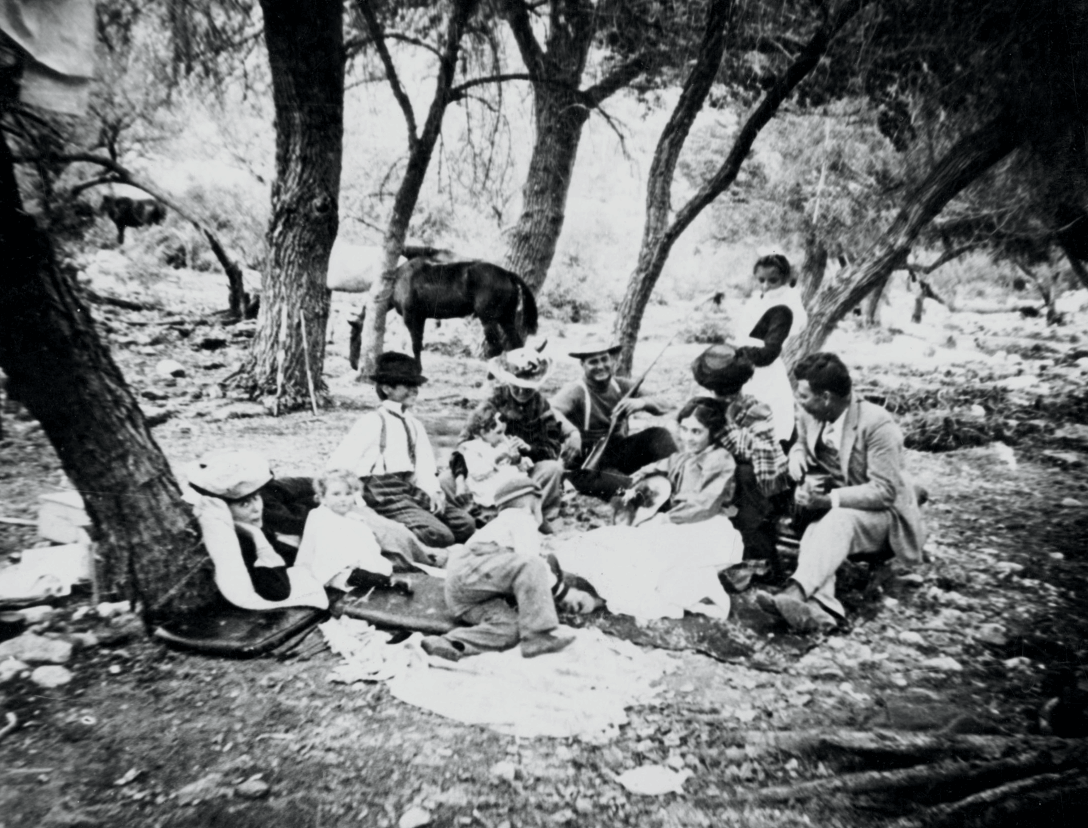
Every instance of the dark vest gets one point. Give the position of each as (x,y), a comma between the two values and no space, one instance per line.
(829,462)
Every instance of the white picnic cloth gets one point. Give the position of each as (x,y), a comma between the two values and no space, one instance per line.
(581,691)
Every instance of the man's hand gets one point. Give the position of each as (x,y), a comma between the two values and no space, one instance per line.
(572,447)
(627,406)
(808,497)
(796,466)
(438,503)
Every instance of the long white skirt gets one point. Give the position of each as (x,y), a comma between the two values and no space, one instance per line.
(658,569)
(771,385)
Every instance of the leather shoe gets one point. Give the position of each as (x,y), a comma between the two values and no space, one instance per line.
(439,647)
(544,643)
(804,616)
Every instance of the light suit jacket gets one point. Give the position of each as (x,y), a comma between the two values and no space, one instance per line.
(871,454)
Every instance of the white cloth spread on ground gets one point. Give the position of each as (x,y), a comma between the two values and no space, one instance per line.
(658,569)
(367,653)
(581,691)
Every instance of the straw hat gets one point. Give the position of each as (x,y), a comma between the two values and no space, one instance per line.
(522,367)
(594,345)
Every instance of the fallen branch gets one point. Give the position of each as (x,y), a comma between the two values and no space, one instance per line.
(12,723)
(114,301)
(17,521)
(121,175)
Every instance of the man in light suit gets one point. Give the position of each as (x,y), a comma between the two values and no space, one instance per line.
(848,462)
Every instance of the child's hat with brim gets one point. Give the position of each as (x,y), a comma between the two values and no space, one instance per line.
(522,368)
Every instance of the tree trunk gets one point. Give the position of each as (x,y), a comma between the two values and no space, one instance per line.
(421,148)
(871,315)
(49,348)
(561,110)
(659,235)
(305,52)
(1075,263)
(813,267)
(962,164)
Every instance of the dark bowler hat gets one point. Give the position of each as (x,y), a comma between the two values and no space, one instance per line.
(722,369)
(397,369)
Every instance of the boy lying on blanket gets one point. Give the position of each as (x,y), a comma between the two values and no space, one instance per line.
(503,562)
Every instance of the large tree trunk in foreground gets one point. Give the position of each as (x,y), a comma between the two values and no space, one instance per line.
(962,164)
(305,52)
(659,235)
(420,150)
(49,348)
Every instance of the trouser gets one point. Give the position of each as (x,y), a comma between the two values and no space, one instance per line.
(548,474)
(393,496)
(479,580)
(754,518)
(624,455)
(828,542)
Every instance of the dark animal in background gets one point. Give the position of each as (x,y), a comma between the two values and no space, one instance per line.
(132,212)
(427,289)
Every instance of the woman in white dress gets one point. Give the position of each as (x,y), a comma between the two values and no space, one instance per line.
(764,325)
(669,563)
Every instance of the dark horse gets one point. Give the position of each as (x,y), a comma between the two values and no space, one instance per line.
(427,289)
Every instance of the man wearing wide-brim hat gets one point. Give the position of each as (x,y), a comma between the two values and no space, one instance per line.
(390,452)
(518,376)
(592,403)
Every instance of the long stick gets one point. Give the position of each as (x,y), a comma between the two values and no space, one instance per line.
(281,357)
(594,458)
(306,354)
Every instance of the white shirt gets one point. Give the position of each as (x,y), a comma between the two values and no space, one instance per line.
(360,451)
(515,529)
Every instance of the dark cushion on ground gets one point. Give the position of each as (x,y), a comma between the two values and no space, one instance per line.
(237,633)
(423,611)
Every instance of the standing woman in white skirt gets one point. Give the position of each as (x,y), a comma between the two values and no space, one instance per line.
(764,325)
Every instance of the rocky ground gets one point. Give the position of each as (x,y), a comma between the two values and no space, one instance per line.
(110,728)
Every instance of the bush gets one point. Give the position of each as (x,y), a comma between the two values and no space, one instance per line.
(709,327)
(566,294)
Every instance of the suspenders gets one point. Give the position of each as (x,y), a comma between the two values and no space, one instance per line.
(382,439)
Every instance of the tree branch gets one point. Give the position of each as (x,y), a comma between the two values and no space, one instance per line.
(357,43)
(378,36)
(617,79)
(517,18)
(458,92)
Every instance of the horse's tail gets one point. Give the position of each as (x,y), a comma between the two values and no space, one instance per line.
(528,304)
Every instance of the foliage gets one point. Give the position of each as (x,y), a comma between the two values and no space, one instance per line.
(569,295)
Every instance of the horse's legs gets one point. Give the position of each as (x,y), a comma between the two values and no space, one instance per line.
(415,330)
(355,343)
(513,334)
(493,338)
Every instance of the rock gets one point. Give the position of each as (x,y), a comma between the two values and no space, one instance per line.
(51,676)
(993,634)
(1071,503)
(37,614)
(109,610)
(61,817)
(911,637)
(238,411)
(253,788)
(653,780)
(945,664)
(1074,432)
(34,648)
(206,787)
(911,579)
(414,817)
(12,668)
(154,396)
(504,770)
(170,368)
(84,640)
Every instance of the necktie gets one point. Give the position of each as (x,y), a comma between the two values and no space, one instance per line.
(407,434)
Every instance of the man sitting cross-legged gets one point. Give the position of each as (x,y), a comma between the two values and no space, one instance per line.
(388,449)
(848,460)
(591,404)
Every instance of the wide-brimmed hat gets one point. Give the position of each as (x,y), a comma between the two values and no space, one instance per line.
(595,345)
(232,474)
(514,488)
(721,369)
(395,368)
(522,367)
(651,494)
